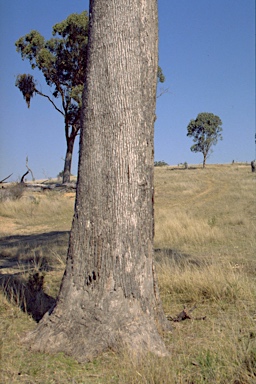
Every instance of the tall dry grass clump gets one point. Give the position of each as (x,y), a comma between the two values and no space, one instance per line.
(209,282)
(14,192)
(179,227)
(39,211)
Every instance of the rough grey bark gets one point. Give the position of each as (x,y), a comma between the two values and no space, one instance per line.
(109,296)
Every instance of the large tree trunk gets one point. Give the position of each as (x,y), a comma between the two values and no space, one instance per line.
(109,296)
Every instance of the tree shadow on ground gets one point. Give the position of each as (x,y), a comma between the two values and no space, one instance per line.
(173,256)
(29,295)
(24,260)
(43,250)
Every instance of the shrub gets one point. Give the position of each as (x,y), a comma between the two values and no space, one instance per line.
(160,163)
(14,192)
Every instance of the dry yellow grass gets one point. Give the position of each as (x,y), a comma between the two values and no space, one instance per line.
(205,240)
(206,212)
(37,212)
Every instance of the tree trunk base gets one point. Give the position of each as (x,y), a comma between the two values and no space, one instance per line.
(87,332)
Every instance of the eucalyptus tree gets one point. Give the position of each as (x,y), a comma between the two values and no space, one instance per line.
(109,296)
(62,61)
(206,131)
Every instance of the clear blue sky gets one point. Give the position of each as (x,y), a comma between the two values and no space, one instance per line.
(206,51)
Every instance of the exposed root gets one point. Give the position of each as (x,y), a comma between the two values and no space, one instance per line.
(90,331)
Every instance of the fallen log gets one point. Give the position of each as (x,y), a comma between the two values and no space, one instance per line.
(36,187)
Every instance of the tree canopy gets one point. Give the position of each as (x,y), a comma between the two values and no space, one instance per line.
(206,131)
(62,60)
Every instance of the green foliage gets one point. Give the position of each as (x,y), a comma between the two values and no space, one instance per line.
(206,131)
(160,75)
(27,86)
(62,60)
(160,163)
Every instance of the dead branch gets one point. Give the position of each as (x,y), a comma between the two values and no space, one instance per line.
(185,314)
(47,97)
(22,179)
(29,170)
(162,92)
(1,181)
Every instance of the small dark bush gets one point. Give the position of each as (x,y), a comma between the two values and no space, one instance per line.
(60,175)
(160,163)
(13,192)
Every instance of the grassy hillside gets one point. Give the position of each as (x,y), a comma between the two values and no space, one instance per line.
(205,243)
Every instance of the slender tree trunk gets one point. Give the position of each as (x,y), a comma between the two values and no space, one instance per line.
(70,140)
(109,296)
(68,159)
(204,161)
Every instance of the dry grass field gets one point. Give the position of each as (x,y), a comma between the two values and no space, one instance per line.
(205,247)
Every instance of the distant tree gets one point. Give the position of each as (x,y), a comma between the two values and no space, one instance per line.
(62,60)
(206,131)
(160,163)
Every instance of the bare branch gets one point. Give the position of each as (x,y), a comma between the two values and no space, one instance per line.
(162,92)
(1,181)
(22,179)
(47,97)
(29,170)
